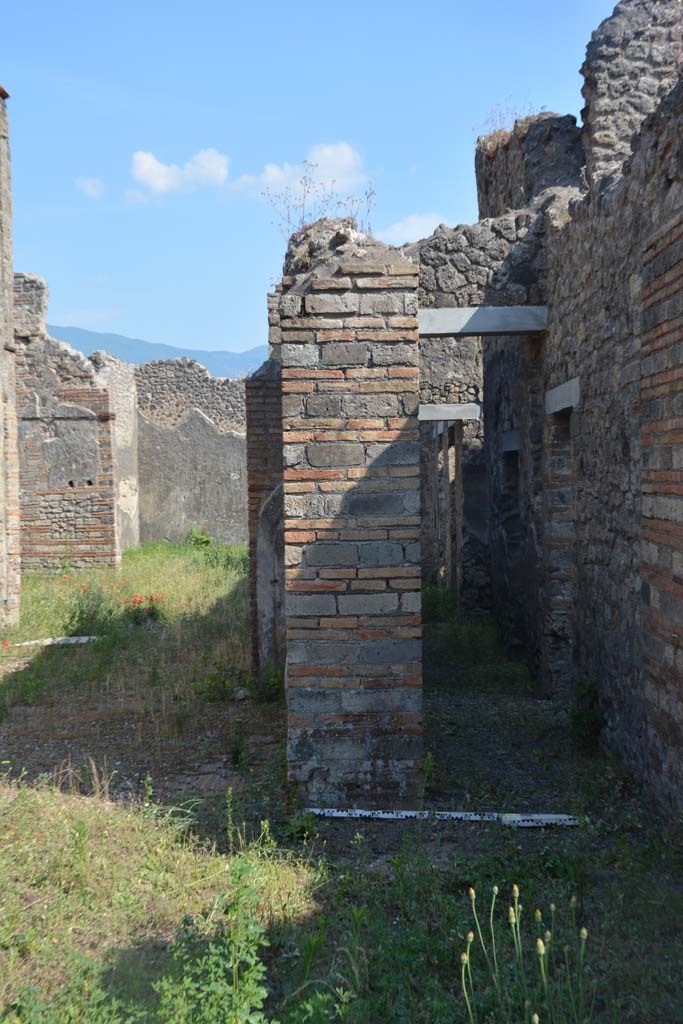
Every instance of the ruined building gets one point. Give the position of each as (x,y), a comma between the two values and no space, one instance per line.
(78,487)
(191,452)
(112,455)
(498,408)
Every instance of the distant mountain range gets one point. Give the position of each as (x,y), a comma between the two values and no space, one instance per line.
(135,350)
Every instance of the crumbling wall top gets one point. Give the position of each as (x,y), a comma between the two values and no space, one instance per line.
(322,248)
(31,294)
(514,167)
(168,389)
(632,60)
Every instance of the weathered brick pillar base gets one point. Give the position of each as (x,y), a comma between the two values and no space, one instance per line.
(350,394)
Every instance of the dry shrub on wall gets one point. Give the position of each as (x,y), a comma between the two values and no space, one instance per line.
(299,205)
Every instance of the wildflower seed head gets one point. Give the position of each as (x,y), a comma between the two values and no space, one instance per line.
(540,947)
(515,892)
(472,894)
(538,916)
(572,902)
(470,938)
(535,1018)
(548,936)
(583,934)
(495,890)
(511,915)
(552,908)
(463,958)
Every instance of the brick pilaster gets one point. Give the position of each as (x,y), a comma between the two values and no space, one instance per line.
(352,525)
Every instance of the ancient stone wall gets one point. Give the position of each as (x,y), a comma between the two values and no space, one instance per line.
(191,452)
(514,167)
(9,456)
(615,324)
(581,427)
(582,443)
(351,445)
(632,61)
(169,388)
(67,488)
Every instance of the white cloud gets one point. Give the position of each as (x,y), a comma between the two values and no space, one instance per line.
(411,229)
(207,167)
(93,188)
(335,167)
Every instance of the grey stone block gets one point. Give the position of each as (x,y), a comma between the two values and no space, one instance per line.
(397,453)
(332,552)
(369,406)
(411,502)
(324,652)
(309,700)
(292,405)
(311,604)
(324,406)
(413,553)
(380,552)
(378,504)
(300,355)
(346,303)
(308,506)
(390,652)
(293,554)
(335,453)
(384,302)
(293,454)
(333,505)
(410,403)
(290,305)
(367,604)
(411,602)
(345,354)
(395,355)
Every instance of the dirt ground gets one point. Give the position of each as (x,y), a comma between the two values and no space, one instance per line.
(492,745)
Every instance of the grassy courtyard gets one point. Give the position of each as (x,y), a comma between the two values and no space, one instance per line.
(154,866)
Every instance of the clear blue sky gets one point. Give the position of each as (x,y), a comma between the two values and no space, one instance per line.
(143,134)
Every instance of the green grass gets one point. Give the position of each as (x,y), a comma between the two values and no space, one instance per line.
(151,911)
(96,896)
(95,890)
(172,619)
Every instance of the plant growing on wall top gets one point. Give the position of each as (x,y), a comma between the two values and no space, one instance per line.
(298,205)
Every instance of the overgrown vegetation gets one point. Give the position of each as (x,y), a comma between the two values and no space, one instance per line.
(171,624)
(125,909)
(311,197)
